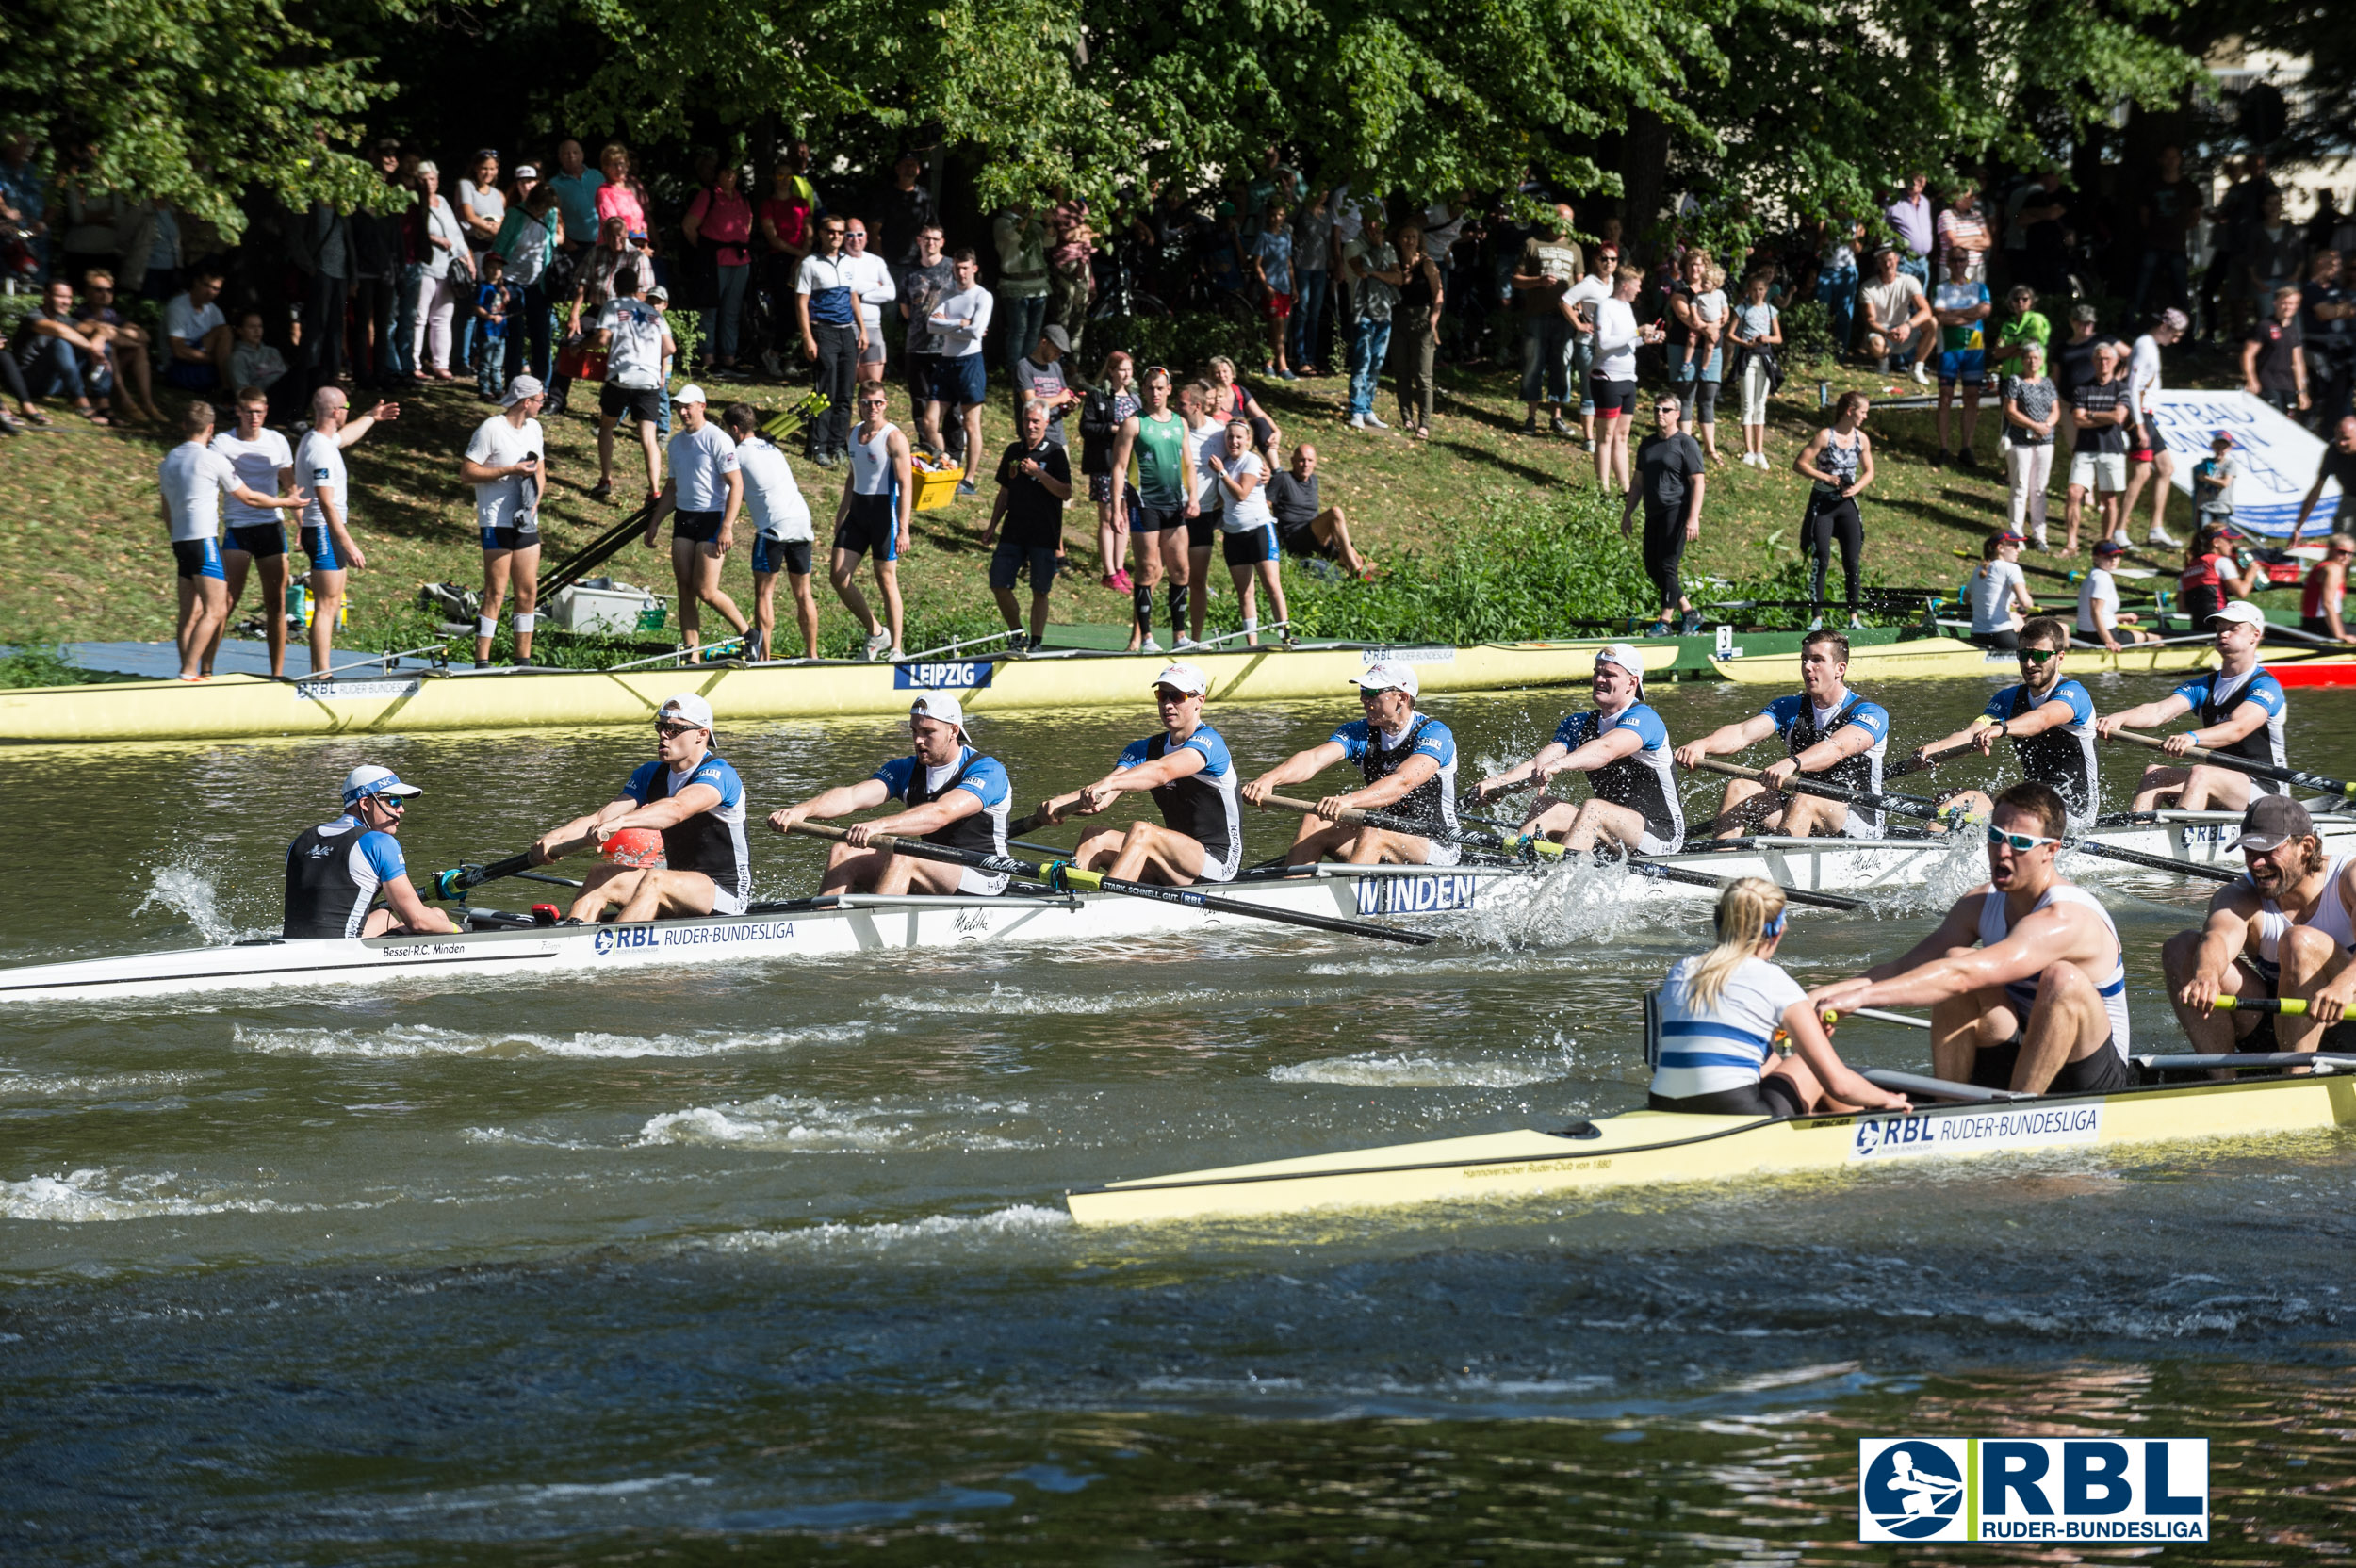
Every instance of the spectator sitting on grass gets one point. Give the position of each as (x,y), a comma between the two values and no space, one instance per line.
(197,336)
(253,361)
(1306,530)
(124,344)
(57,360)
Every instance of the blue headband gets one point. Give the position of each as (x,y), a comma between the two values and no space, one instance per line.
(1774,926)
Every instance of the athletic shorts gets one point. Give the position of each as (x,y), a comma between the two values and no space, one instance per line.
(319,543)
(1300,539)
(2105,473)
(512,539)
(1650,842)
(771,556)
(2143,441)
(2099,1073)
(1252,545)
(258,540)
(1155,519)
(642,403)
(1957,365)
(1278,307)
(874,353)
(199,558)
(962,379)
(1100,490)
(871,526)
(1773,1095)
(696,528)
(1614,399)
(1009,560)
(923,378)
(1201,530)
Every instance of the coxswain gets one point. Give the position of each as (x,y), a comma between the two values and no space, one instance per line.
(1408,760)
(2241,708)
(1623,748)
(953,796)
(2284,930)
(336,871)
(2025,979)
(1190,775)
(1720,1013)
(2049,721)
(690,796)
(1829,733)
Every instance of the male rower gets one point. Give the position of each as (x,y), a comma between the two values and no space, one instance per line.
(503,463)
(954,796)
(1191,778)
(2285,930)
(2025,979)
(193,477)
(2049,721)
(1828,731)
(782,537)
(696,801)
(1623,748)
(2241,709)
(255,537)
(1408,760)
(335,871)
(326,520)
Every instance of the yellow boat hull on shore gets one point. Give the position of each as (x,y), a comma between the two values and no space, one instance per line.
(249,706)
(1948,658)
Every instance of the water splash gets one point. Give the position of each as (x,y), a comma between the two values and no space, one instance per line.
(94,1194)
(983,1230)
(797,1124)
(1403,1070)
(404,1041)
(189,893)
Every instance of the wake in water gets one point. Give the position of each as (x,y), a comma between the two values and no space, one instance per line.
(404,1041)
(797,1124)
(189,893)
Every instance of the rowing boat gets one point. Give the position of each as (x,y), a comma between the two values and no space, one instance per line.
(250,706)
(1664,1149)
(1946,657)
(2314,672)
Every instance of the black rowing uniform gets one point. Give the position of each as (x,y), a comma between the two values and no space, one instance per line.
(2063,757)
(1642,781)
(712,841)
(333,873)
(1203,806)
(1802,724)
(906,779)
(1379,754)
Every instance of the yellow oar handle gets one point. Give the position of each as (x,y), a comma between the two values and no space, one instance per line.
(2289,1007)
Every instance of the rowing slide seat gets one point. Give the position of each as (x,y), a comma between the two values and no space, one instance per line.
(499,920)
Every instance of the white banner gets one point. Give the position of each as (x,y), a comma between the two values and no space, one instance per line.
(2275,458)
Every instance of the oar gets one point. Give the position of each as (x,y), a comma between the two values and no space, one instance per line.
(1064,876)
(1917,764)
(2289,1007)
(2299,776)
(456,882)
(1517,844)
(1907,1019)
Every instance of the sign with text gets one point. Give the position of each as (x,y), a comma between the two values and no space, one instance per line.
(2145,1490)
(2275,459)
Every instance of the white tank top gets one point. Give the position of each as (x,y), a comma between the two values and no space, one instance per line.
(2329,916)
(871,463)
(1995,925)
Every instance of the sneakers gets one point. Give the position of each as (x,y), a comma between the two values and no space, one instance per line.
(1857,621)
(771,362)
(1816,623)
(1287,375)
(1018,642)
(1529,427)
(1109,582)
(1375,422)
(878,641)
(1183,645)
(1967,459)
(1693,624)
(967,487)
(1149,645)
(1357,421)
(2159,536)
(604,490)
(1921,377)
(1563,427)
(1122,580)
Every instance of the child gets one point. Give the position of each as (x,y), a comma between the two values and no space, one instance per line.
(2213,481)
(1758,333)
(495,301)
(660,297)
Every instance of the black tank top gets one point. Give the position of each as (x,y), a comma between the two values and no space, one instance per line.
(1424,803)
(1415,294)
(323,897)
(1861,772)
(703,842)
(2057,758)
(978,833)
(1196,806)
(2258,745)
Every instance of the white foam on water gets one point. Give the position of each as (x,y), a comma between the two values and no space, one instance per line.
(829,1237)
(94,1194)
(815,1126)
(1575,902)
(190,894)
(501,1135)
(1005,1001)
(1403,1070)
(402,1041)
(37,1086)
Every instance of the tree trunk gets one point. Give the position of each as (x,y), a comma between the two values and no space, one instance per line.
(1643,163)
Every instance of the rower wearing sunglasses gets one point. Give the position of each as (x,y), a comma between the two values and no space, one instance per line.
(2025,979)
(2049,721)
(690,796)
(2241,708)
(335,871)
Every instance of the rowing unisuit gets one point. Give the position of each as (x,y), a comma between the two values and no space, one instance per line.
(1187,770)
(2284,930)
(2063,756)
(1803,723)
(711,840)
(1408,761)
(336,871)
(1829,733)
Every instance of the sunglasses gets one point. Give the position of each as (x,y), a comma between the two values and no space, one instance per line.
(2038,656)
(673,731)
(391,803)
(2023,842)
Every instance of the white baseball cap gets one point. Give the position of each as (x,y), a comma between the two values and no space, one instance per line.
(1387,674)
(520,389)
(1186,677)
(1623,655)
(2242,610)
(689,709)
(369,780)
(690,393)
(943,706)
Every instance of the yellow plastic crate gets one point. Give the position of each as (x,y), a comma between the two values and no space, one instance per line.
(936,487)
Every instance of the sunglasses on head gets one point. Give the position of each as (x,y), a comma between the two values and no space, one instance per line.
(2023,842)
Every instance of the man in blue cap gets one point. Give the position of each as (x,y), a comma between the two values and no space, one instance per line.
(335,871)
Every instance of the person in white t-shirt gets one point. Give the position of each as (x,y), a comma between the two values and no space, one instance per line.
(782,535)
(1579,306)
(193,477)
(1203,434)
(326,531)
(2147,459)
(1238,480)
(252,537)
(1613,378)
(960,325)
(1999,593)
(637,346)
(505,463)
(871,283)
(705,492)
(197,339)
(2099,616)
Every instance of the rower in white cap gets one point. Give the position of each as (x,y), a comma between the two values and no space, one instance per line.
(954,796)
(1409,761)
(690,796)
(1191,778)
(1623,748)
(2241,708)
(335,871)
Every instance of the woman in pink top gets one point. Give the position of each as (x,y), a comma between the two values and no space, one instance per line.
(721,218)
(623,197)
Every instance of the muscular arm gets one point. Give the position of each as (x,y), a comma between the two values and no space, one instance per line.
(931,817)
(841,801)
(2060,933)
(1805,464)
(1552,752)
(2142,716)
(2225,935)
(1298,768)
(1726,739)
(1600,752)
(1841,744)
(1091,798)
(904,476)
(1395,788)
(2246,719)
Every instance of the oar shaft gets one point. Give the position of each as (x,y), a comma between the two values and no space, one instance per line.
(2242,765)
(458,880)
(1802,784)
(1506,843)
(2289,1007)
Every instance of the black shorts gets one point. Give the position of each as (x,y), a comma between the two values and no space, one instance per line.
(642,403)
(924,379)
(199,558)
(259,540)
(870,525)
(771,556)
(1156,519)
(696,528)
(2340,1037)
(2099,1072)
(1300,539)
(1774,1095)
(505,538)
(1202,529)
(1614,399)
(1249,547)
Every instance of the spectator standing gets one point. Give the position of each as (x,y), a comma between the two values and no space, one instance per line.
(2098,415)
(1962,229)
(1272,268)
(1201,510)
(1108,412)
(834,336)
(1033,481)
(788,215)
(2031,410)
(593,286)
(1670,482)
(1911,217)
(901,211)
(1836,282)
(480,208)
(2072,364)
(1071,266)
(2274,360)
(959,325)
(1700,305)
(2327,320)
(2146,451)
(2169,211)
(322,252)
(1838,462)
(1230,398)
(719,222)
(1900,328)
(2213,483)
(1157,509)
(2034,217)
(505,462)
(1312,262)
(1756,332)
(1306,528)
(326,531)
(704,496)
(622,196)
(379,243)
(1962,309)
(2338,465)
(874,518)
(57,359)
(528,245)
(929,278)
(1247,527)
(782,537)
(193,477)
(2023,326)
(1372,266)
(1021,236)
(637,347)
(1617,338)
(876,287)
(1415,331)
(196,336)
(1040,378)
(576,186)
(1579,306)
(1541,281)
(2273,255)
(497,306)
(439,241)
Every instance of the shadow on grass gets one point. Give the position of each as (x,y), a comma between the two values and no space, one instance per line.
(1973,525)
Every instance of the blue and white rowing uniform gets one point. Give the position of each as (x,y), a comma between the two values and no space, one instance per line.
(712,841)
(1643,780)
(319,465)
(1802,724)
(1723,1049)
(2214,696)
(1203,805)
(2104,1069)
(333,873)
(1434,800)
(985,778)
(2063,757)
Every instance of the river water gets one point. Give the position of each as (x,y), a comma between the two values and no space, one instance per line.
(775,1260)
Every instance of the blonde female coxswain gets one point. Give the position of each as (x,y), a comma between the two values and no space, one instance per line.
(1721,1012)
